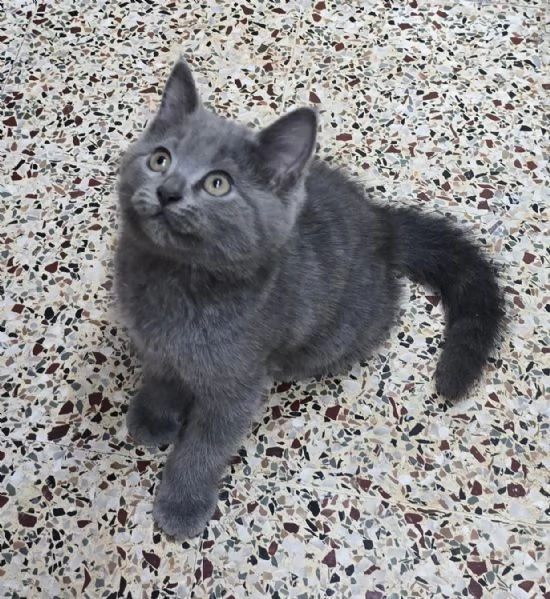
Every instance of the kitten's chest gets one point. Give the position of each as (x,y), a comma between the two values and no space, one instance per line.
(172,323)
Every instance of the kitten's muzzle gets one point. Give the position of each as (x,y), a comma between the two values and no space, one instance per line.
(170,192)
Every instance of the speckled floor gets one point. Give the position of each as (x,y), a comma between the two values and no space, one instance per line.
(363,486)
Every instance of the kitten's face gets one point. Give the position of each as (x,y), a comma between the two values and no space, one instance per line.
(208,191)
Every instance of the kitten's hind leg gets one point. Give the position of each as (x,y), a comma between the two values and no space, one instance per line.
(157,411)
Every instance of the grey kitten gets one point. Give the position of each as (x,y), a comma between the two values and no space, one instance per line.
(241,259)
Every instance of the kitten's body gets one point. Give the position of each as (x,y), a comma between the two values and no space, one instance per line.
(310,309)
(293,275)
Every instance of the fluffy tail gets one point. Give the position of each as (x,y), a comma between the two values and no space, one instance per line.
(432,251)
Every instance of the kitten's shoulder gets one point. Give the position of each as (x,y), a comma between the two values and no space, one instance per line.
(325,180)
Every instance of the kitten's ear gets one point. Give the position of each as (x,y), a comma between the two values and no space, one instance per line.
(287,145)
(179,98)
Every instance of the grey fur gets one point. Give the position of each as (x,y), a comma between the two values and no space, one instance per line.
(292,274)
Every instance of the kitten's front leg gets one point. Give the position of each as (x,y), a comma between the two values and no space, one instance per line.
(157,411)
(187,495)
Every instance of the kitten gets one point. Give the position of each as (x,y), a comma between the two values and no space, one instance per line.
(241,259)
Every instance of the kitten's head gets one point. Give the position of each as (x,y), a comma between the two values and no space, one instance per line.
(210,192)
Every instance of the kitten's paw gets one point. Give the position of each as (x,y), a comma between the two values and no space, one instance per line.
(182,518)
(148,427)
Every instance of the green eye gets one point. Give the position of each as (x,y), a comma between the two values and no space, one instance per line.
(160,160)
(217,184)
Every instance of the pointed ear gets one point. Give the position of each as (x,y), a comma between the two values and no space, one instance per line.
(179,98)
(286,145)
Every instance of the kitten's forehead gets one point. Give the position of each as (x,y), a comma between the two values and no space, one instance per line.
(206,136)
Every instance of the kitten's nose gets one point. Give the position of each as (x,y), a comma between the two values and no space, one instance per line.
(169,192)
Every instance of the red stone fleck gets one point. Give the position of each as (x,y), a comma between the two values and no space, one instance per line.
(404,26)
(66,408)
(344,137)
(330,559)
(516,490)
(142,465)
(105,405)
(87,580)
(152,559)
(272,549)
(58,432)
(314,98)
(518,302)
(477,489)
(516,39)
(528,258)
(332,412)
(531,165)
(18,308)
(526,585)
(207,568)
(475,589)
(3,500)
(95,398)
(478,568)
(476,453)
(487,194)
(412,518)
(284,387)
(27,520)
(83,523)
(51,267)
(274,452)
(364,483)
(99,357)
(291,527)
(430,96)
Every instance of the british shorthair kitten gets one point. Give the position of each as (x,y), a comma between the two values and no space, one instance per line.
(242,259)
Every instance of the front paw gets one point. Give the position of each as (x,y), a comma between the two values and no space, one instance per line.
(181,517)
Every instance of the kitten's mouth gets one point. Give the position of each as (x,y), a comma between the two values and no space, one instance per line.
(173,226)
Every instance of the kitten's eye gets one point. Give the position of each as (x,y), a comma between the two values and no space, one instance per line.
(160,160)
(217,184)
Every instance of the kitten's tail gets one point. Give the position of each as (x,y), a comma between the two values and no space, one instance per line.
(432,251)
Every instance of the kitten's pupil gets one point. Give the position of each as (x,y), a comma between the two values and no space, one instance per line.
(217,183)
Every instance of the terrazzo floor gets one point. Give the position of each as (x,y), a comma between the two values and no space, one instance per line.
(361,486)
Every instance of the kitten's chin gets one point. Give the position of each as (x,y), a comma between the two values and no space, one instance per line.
(164,236)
